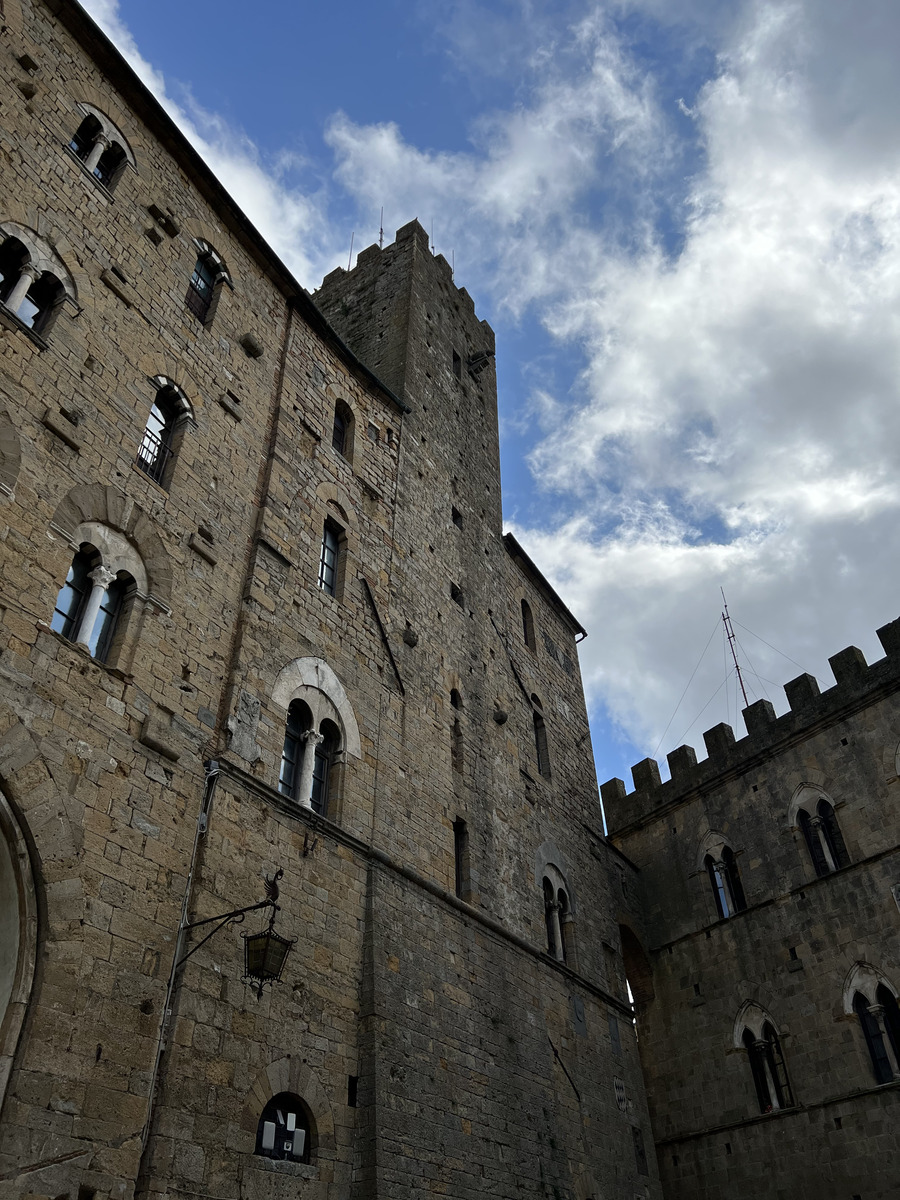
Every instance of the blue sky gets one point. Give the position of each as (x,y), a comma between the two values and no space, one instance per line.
(683,222)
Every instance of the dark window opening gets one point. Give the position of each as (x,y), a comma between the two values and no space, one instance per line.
(85,136)
(323,760)
(726,883)
(284,1130)
(461,859)
(352,1091)
(342,430)
(456,594)
(455,698)
(528,626)
(329,558)
(542,753)
(456,517)
(201,288)
(33,297)
(91,603)
(875,1033)
(457,365)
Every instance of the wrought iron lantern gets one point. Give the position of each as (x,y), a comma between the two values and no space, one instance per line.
(265,953)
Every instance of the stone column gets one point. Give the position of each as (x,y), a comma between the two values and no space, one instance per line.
(20,291)
(762,1048)
(311,739)
(101,577)
(557,931)
(101,144)
(818,826)
(876,1011)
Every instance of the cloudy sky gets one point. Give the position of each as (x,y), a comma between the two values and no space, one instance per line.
(682,218)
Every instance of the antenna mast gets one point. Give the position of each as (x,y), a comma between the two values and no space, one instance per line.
(381,230)
(350,256)
(729,633)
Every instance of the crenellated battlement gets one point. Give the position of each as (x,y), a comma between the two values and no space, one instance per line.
(855,680)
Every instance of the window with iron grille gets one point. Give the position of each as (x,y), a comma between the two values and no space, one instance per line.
(201,288)
(156,450)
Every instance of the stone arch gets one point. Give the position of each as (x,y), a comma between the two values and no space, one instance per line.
(18,936)
(106,107)
(10,456)
(164,370)
(549,861)
(106,505)
(333,496)
(110,130)
(712,843)
(304,677)
(177,392)
(752,1016)
(807,795)
(638,971)
(290,1074)
(863,977)
(116,551)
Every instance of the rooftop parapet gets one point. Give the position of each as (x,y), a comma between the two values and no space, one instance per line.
(809,708)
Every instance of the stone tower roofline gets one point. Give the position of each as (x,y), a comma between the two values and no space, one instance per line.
(414,235)
(526,565)
(145,106)
(857,685)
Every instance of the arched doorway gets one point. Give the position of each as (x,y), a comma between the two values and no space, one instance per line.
(18,936)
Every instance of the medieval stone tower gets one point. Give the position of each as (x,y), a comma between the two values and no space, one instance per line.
(258,615)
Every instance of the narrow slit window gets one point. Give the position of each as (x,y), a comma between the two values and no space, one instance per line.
(329,558)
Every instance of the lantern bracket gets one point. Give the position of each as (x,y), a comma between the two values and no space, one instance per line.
(236,915)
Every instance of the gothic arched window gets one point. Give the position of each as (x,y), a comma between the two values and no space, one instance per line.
(881,1029)
(773,1091)
(342,430)
(726,882)
(823,838)
(528,626)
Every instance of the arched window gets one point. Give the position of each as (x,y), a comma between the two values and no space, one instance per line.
(542,753)
(770,1079)
(330,558)
(91,602)
(162,433)
(881,1029)
(207,278)
(307,758)
(30,293)
(823,837)
(343,429)
(528,626)
(559,918)
(101,147)
(285,1129)
(726,882)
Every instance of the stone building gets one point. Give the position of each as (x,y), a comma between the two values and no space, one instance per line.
(258,615)
(762,948)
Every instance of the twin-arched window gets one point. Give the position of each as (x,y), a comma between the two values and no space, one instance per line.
(823,836)
(101,584)
(307,758)
(725,880)
(101,147)
(868,995)
(559,918)
(28,289)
